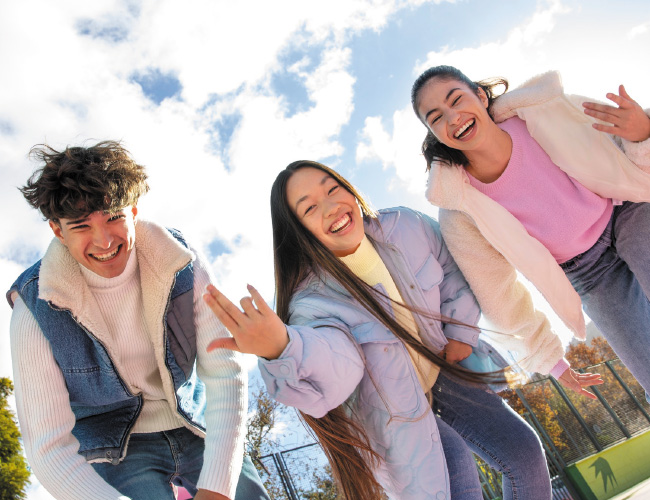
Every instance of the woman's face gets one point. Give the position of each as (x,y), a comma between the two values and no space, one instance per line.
(455,114)
(326,209)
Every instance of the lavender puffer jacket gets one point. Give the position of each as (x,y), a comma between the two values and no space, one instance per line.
(335,344)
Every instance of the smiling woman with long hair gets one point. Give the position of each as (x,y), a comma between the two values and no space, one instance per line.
(555,187)
(374,326)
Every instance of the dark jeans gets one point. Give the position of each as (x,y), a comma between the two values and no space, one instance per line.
(472,418)
(156,460)
(613,281)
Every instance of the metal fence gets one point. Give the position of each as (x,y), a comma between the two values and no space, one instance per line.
(570,426)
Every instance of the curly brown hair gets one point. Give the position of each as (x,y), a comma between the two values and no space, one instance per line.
(78,181)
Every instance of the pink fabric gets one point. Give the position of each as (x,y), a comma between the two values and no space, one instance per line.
(554,208)
(560,367)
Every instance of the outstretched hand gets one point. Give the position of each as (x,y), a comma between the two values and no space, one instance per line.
(255,330)
(628,120)
(577,382)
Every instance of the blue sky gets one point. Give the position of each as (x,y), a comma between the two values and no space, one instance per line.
(216,97)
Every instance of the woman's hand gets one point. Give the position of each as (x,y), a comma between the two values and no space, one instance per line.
(628,120)
(257,330)
(578,381)
(455,351)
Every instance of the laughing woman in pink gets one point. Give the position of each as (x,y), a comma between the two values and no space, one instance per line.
(554,187)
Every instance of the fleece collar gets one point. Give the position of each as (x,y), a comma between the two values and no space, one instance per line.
(160,257)
(446,182)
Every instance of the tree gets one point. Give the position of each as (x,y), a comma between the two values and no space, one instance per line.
(325,487)
(14,474)
(581,355)
(260,440)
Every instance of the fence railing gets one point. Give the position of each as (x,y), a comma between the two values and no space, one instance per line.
(570,426)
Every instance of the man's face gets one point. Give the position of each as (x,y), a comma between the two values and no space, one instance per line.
(100,241)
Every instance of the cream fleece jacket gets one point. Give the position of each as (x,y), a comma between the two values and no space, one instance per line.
(490,245)
(44,413)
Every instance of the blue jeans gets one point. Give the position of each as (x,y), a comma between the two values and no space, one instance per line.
(472,418)
(156,460)
(613,281)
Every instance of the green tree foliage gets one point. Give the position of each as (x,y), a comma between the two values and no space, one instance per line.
(14,474)
(260,439)
(324,486)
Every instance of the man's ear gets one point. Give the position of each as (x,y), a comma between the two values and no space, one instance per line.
(56,229)
(134,211)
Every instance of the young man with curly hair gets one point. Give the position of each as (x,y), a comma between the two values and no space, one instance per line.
(116,395)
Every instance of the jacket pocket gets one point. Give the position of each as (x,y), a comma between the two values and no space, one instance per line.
(430,274)
(390,383)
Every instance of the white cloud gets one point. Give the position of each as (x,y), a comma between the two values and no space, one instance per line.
(639,30)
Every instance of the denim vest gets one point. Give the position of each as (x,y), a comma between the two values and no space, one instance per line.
(104,408)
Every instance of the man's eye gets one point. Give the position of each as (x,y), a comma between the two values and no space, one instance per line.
(116,217)
(435,120)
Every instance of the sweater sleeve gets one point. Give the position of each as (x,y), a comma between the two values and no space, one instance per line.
(504,300)
(226,383)
(46,419)
(456,298)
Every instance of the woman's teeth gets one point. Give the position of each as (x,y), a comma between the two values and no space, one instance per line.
(340,224)
(462,129)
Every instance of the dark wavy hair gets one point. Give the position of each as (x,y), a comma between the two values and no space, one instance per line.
(297,253)
(432,149)
(78,181)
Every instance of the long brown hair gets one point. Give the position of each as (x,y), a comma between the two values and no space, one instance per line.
(297,254)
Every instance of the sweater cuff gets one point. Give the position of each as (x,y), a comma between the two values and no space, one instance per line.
(560,367)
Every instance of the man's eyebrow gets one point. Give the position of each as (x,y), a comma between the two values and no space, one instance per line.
(322,181)
(78,221)
(446,99)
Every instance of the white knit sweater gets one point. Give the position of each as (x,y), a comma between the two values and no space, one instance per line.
(42,401)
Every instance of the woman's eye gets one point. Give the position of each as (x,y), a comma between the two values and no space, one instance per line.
(332,190)
(309,209)
(455,101)
(437,118)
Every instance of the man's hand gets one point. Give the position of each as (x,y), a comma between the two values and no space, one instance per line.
(628,120)
(578,381)
(455,351)
(209,495)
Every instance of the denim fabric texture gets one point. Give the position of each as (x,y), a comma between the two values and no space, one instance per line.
(613,281)
(104,408)
(159,459)
(496,433)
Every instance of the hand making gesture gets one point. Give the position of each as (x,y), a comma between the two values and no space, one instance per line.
(255,330)
(628,120)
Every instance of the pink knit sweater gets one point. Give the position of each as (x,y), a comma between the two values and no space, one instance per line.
(554,208)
